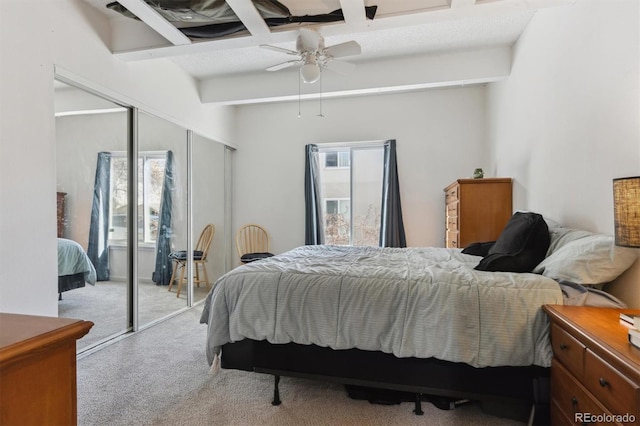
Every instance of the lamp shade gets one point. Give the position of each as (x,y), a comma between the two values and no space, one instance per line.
(626,211)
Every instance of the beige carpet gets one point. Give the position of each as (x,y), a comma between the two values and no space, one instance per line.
(105,304)
(160,377)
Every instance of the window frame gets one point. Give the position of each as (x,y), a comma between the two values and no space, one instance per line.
(143,157)
(340,159)
(348,147)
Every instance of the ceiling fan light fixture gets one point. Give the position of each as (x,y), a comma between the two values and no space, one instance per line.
(310,72)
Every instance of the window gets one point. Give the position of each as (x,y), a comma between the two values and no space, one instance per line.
(337,217)
(337,159)
(351,191)
(150,181)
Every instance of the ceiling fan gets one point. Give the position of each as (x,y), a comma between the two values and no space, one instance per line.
(313,56)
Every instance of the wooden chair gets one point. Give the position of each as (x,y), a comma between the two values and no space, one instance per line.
(252,243)
(200,253)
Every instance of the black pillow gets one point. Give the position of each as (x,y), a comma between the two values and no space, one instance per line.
(479,249)
(252,257)
(522,244)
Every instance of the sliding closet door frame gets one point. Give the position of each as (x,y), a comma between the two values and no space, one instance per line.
(132,224)
(189,218)
(69,78)
(228,200)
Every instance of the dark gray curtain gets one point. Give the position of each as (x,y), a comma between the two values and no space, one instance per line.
(314,228)
(98,247)
(392,227)
(163,269)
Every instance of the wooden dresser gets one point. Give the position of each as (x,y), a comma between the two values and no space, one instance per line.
(476,210)
(595,372)
(38,369)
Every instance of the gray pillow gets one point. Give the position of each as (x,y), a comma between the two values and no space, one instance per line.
(584,258)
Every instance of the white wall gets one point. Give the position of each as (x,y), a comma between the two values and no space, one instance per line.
(440,137)
(72,36)
(566,122)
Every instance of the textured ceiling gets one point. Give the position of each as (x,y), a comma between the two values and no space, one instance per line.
(446,36)
(400,30)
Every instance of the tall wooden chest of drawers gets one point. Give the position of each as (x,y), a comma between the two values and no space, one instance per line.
(595,372)
(476,210)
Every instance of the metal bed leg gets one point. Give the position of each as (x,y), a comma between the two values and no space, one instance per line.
(276,391)
(418,407)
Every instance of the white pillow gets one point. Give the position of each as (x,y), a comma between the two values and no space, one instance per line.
(562,236)
(584,258)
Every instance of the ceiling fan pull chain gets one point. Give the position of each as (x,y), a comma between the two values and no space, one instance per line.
(320,115)
(298,97)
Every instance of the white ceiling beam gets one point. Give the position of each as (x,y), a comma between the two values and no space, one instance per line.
(156,21)
(249,16)
(462,3)
(374,77)
(353,11)
(206,46)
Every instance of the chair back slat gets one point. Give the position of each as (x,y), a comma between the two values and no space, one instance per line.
(252,238)
(204,242)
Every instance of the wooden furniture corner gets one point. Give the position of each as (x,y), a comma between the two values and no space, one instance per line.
(38,369)
(595,371)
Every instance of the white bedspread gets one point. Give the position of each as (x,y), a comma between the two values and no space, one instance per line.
(413,302)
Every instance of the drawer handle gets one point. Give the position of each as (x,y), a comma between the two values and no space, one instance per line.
(603,382)
(563,346)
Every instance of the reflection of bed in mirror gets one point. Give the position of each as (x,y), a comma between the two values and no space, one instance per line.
(74,267)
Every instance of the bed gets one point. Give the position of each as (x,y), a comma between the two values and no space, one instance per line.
(421,320)
(74,267)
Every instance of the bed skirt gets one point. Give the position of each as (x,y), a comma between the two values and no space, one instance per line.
(504,391)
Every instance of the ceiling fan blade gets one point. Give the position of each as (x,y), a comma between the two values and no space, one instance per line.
(279,49)
(341,67)
(309,39)
(283,65)
(348,48)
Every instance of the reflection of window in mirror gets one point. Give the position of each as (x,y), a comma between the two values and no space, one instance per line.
(151,167)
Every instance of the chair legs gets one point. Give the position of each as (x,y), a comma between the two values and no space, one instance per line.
(173,274)
(181,280)
(197,279)
(206,277)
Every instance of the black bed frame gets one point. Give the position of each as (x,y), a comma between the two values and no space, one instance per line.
(69,282)
(520,393)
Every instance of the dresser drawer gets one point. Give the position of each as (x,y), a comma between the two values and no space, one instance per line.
(570,397)
(452,209)
(615,391)
(452,194)
(452,239)
(452,223)
(568,350)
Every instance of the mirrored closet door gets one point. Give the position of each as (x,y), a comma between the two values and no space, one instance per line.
(146,205)
(208,201)
(162,218)
(92,177)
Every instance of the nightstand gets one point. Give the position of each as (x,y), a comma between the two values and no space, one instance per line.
(595,371)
